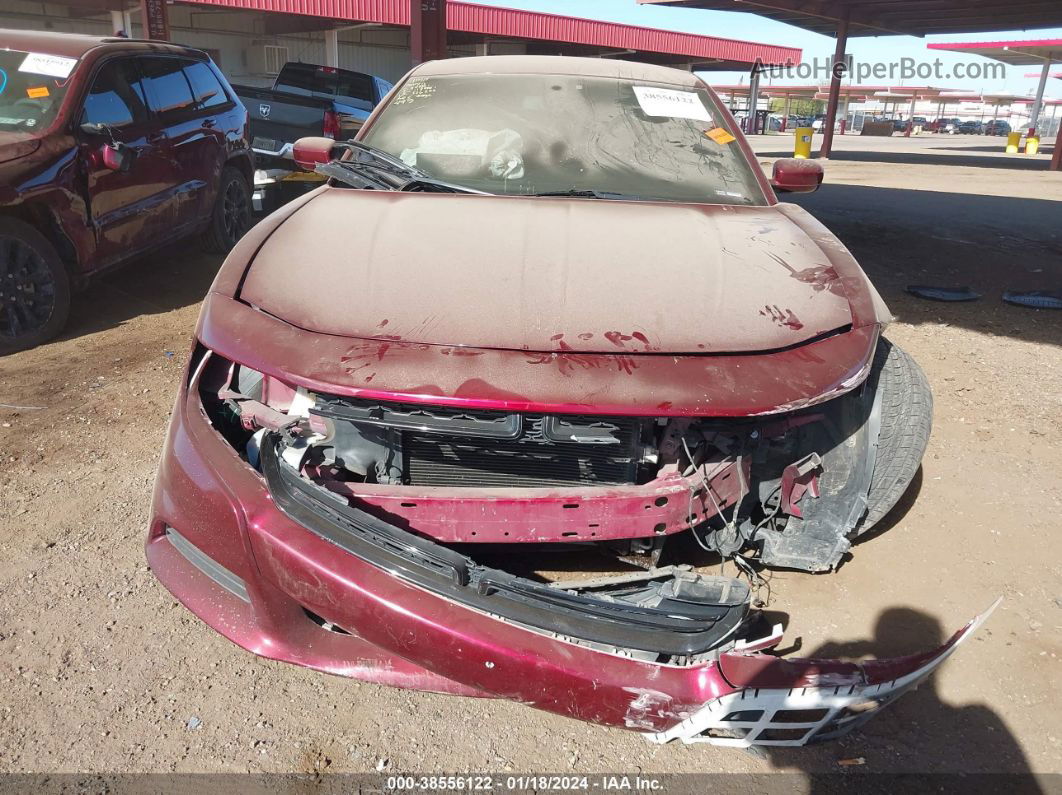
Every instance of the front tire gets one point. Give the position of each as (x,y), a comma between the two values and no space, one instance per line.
(231,217)
(906,420)
(34,288)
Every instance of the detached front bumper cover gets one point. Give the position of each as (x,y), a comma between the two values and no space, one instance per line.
(827,699)
(820,699)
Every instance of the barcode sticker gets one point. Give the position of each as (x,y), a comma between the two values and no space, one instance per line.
(39,63)
(671,104)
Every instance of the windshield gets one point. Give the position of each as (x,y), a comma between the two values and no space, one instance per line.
(32,86)
(535,134)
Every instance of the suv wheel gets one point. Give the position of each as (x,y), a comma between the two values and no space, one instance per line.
(34,288)
(232,212)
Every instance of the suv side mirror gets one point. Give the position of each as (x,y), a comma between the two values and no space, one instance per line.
(310,151)
(791,175)
(117,157)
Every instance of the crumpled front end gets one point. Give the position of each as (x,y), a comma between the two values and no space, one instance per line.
(273,523)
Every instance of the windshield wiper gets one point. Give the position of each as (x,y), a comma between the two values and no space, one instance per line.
(374,169)
(588,194)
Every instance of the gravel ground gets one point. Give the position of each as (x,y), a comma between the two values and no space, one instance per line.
(103,671)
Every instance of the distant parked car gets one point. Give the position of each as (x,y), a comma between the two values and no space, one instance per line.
(109,148)
(969,128)
(997,127)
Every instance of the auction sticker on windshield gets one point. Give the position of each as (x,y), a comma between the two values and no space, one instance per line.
(670,103)
(39,63)
(720,136)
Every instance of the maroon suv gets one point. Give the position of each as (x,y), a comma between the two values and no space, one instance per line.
(109,148)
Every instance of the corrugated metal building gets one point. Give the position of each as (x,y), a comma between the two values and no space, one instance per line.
(251,39)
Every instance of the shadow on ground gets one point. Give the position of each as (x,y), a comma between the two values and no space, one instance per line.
(919,733)
(149,285)
(990,243)
(1046,148)
(1012,163)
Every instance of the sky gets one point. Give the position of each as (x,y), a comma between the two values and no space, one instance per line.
(751,27)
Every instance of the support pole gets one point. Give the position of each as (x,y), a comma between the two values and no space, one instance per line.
(1056,157)
(785,113)
(1034,117)
(835,84)
(332,48)
(118,23)
(752,127)
(910,117)
(427,30)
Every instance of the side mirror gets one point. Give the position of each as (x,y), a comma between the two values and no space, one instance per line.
(117,157)
(308,152)
(791,175)
(92,128)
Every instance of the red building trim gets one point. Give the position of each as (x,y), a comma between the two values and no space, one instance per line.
(512,23)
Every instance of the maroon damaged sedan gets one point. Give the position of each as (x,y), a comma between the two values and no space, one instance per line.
(477,415)
(110,148)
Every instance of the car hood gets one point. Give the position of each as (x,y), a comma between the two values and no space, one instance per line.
(547,274)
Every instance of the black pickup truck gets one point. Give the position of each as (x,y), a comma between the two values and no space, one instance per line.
(307,99)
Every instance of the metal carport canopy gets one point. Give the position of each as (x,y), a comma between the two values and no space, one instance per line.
(1042,52)
(1034,52)
(905,17)
(844,18)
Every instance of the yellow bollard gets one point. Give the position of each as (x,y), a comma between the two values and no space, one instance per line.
(1013,140)
(802,144)
(1032,145)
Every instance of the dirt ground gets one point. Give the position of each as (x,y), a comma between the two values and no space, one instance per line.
(101,669)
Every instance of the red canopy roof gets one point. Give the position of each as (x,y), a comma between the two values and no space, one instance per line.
(515,24)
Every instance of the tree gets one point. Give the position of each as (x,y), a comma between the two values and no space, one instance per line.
(798,107)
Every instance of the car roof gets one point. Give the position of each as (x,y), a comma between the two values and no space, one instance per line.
(75,45)
(559,65)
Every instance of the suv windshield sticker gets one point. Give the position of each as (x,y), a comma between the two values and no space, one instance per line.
(37,92)
(670,103)
(52,65)
(720,136)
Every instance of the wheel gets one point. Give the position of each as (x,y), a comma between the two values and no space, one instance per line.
(906,419)
(34,288)
(231,217)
